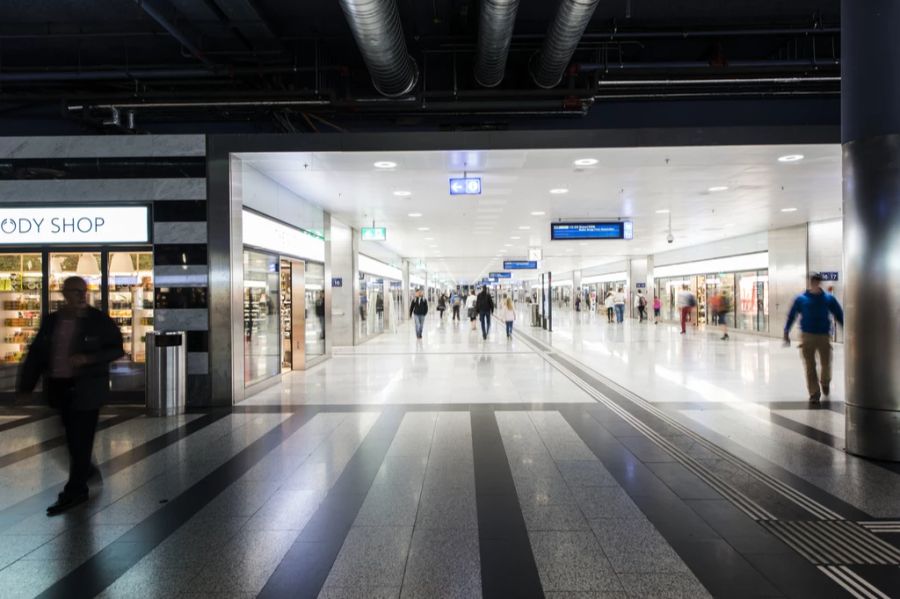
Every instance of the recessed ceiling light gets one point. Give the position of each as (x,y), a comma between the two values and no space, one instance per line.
(514,237)
(429,238)
(559,190)
(586,162)
(718,188)
(384,164)
(663,211)
(414,214)
(524,228)
(538,213)
(790,158)
(509,245)
(789,210)
(402,193)
(424,229)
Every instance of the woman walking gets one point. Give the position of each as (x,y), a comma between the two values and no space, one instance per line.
(610,304)
(442,305)
(470,308)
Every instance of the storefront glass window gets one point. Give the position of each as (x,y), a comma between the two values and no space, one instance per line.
(85,265)
(20,294)
(315,309)
(753,298)
(130,280)
(262,342)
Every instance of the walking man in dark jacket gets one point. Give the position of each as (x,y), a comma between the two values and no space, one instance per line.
(72,352)
(484,305)
(815,307)
(418,309)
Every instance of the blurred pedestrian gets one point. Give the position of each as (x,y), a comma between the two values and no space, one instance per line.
(418,308)
(508,314)
(484,305)
(619,304)
(71,352)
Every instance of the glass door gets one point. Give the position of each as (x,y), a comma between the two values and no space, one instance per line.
(20,300)
(314,289)
(287,319)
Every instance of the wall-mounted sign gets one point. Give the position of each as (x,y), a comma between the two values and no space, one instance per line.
(592,230)
(74,225)
(501,275)
(829,276)
(640,285)
(268,234)
(520,264)
(337,282)
(374,233)
(470,186)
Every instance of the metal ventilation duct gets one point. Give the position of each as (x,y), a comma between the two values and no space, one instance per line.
(495,29)
(379,35)
(571,20)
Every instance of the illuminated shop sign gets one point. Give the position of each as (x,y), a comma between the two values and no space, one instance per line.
(594,230)
(501,275)
(74,225)
(520,264)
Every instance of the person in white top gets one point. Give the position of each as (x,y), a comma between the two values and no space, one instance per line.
(470,308)
(640,302)
(619,303)
(610,303)
(508,314)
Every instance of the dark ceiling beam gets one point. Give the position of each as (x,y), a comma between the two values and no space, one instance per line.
(165,15)
(246,18)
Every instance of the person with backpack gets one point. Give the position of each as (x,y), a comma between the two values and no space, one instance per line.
(815,307)
(640,302)
(610,304)
(718,307)
(484,305)
(508,314)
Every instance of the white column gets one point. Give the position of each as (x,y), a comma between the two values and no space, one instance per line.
(339,301)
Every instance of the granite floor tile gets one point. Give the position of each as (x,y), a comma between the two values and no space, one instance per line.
(565,516)
(439,508)
(371,557)
(360,593)
(572,561)
(605,502)
(663,586)
(443,563)
(585,473)
(619,535)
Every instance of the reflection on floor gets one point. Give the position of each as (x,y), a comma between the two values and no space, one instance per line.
(597,461)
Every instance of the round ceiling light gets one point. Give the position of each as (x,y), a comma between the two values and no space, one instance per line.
(524,228)
(718,188)
(663,211)
(559,190)
(385,164)
(790,158)
(789,210)
(402,193)
(586,162)
(414,214)
(538,213)
(424,229)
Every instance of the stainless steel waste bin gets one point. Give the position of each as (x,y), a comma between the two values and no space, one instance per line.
(535,315)
(166,372)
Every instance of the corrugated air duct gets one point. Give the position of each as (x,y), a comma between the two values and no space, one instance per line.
(495,29)
(379,36)
(571,20)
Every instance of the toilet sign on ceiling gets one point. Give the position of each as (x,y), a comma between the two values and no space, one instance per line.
(74,225)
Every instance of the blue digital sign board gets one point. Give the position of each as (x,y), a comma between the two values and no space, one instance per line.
(520,264)
(591,230)
(501,275)
(470,186)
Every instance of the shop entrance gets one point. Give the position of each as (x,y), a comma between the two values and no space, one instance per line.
(120,282)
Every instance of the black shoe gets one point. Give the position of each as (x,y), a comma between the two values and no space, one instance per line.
(815,397)
(65,502)
(95,477)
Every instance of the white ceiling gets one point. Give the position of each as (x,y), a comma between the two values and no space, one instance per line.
(467,234)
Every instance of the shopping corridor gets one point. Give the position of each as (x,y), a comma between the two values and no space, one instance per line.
(598,461)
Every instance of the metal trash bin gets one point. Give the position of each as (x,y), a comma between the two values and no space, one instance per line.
(535,315)
(166,372)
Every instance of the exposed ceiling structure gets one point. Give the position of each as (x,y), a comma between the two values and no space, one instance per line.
(710,193)
(320,66)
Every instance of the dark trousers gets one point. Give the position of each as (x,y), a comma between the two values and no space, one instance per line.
(80,426)
(509,326)
(485,323)
(455,312)
(642,311)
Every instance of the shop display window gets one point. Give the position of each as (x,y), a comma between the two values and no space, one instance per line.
(315,309)
(20,294)
(75,264)
(130,305)
(262,341)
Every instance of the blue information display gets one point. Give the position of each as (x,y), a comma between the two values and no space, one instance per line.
(520,264)
(592,230)
(501,275)
(829,276)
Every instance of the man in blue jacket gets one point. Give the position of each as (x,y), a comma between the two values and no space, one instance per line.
(815,307)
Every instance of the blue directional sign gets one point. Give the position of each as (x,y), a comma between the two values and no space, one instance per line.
(829,276)
(501,275)
(470,186)
(592,230)
(520,264)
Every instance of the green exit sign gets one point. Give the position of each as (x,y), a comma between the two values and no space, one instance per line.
(374,233)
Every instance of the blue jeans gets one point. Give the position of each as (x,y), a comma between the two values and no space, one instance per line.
(620,312)
(420,322)
(485,318)
(509,324)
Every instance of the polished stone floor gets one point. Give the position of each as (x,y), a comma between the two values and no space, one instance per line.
(597,461)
